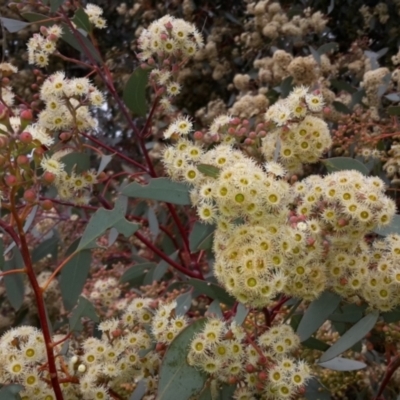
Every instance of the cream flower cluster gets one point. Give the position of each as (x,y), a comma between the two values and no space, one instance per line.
(221,350)
(114,361)
(68,102)
(95,13)
(40,47)
(166,45)
(300,137)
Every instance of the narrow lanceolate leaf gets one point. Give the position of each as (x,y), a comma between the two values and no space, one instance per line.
(209,170)
(139,392)
(163,266)
(393,227)
(134,94)
(73,277)
(105,160)
(84,309)
(102,220)
(179,380)
(212,290)
(214,310)
(55,5)
(161,189)
(14,283)
(317,313)
(137,271)
(184,301)
(241,313)
(48,246)
(351,337)
(198,234)
(11,392)
(343,364)
(81,20)
(340,107)
(344,164)
(13,25)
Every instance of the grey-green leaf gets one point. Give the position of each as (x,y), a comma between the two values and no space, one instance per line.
(340,107)
(73,277)
(163,266)
(77,162)
(161,189)
(81,20)
(179,380)
(14,283)
(241,313)
(134,94)
(184,301)
(393,227)
(342,364)
(13,25)
(102,220)
(48,246)
(138,270)
(198,234)
(214,310)
(209,170)
(351,337)
(139,392)
(105,160)
(11,392)
(317,313)
(55,5)
(344,164)
(212,290)
(84,309)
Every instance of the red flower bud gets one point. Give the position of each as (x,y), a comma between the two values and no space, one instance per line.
(47,205)
(30,196)
(25,137)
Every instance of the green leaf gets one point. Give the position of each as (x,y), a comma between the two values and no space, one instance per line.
(351,337)
(161,189)
(343,85)
(198,234)
(317,313)
(55,5)
(39,18)
(351,313)
(212,290)
(391,316)
(179,380)
(103,219)
(138,270)
(84,309)
(105,160)
(241,313)
(81,20)
(342,364)
(315,344)
(214,310)
(139,392)
(315,54)
(153,223)
(207,243)
(393,227)
(73,277)
(315,391)
(340,107)
(184,301)
(134,94)
(13,25)
(2,262)
(327,47)
(344,164)
(286,86)
(79,42)
(163,266)
(77,162)
(394,110)
(48,246)
(14,283)
(11,392)
(209,170)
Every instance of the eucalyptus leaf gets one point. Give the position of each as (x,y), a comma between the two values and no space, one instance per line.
(344,164)
(241,314)
(102,220)
(13,25)
(14,283)
(105,160)
(73,277)
(184,301)
(198,234)
(134,94)
(209,170)
(161,189)
(153,223)
(81,20)
(342,364)
(11,392)
(55,5)
(138,270)
(317,313)
(163,266)
(84,309)
(351,337)
(393,227)
(179,380)
(212,290)
(48,246)
(214,310)
(139,391)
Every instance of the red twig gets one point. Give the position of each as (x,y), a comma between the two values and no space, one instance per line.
(390,370)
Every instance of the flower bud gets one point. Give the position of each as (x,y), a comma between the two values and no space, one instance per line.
(22,160)
(47,205)
(25,137)
(10,180)
(48,177)
(30,196)
(43,30)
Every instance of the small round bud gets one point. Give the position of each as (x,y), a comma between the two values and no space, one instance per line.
(48,177)
(3,142)
(250,368)
(248,142)
(43,30)
(10,180)
(22,160)
(74,359)
(47,205)
(26,115)
(5,80)
(52,37)
(198,135)
(25,137)
(65,136)
(30,196)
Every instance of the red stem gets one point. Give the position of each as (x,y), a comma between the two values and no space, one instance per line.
(39,301)
(390,370)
